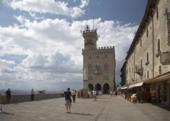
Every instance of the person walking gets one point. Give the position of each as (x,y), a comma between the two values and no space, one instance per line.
(67,95)
(73,93)
(8,96)
(32,95)
(94,95)
(0,103)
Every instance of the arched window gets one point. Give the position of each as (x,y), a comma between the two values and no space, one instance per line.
(98,87)
(106,88)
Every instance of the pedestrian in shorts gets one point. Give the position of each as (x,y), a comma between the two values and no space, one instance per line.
(67,95)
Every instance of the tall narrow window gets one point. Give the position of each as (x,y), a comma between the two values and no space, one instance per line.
(158,48)
(147,74)
(141,63)
(160,70)
(147,59)
(147,32)
(157,13)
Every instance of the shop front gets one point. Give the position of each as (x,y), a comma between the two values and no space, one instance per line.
(160,89)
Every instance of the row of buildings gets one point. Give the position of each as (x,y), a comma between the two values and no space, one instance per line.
(147,64)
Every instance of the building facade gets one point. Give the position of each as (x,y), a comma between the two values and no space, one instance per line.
(98,64)
(148,58)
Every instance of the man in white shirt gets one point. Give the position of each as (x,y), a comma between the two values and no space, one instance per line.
(94,95)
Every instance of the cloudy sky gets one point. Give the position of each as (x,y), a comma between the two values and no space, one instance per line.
(41,40)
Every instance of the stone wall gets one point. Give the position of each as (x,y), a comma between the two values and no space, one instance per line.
(25,98)
(149,54)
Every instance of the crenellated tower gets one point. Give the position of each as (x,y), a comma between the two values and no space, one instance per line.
(98,64)
(90,38)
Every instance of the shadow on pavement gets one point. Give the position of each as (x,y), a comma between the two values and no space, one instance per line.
(83,114)
(6,113)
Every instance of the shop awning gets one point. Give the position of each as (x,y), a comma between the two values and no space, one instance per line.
(125,87)
(136,85)
(160,78)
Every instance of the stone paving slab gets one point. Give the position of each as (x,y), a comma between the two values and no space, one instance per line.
(106,108)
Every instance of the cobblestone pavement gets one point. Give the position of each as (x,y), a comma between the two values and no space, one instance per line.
(106,108)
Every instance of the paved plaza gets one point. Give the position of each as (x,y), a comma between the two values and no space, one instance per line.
(106,108)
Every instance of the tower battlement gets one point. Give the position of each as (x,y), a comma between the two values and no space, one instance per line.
(90,32)
(90,38)
(105,48)
(98,63)
(99,50)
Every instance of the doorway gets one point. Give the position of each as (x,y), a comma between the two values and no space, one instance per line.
(106,88)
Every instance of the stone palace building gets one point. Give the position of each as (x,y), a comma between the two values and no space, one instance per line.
(98,64)
(147,64)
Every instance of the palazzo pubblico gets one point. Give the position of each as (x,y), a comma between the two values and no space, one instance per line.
(98,64)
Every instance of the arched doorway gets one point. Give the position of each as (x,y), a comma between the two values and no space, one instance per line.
(98,87)
(106,88)
(90,86)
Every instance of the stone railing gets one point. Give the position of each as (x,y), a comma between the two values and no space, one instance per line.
(26,98)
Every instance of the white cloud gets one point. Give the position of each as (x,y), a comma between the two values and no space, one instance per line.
(58,7)
(53,50)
